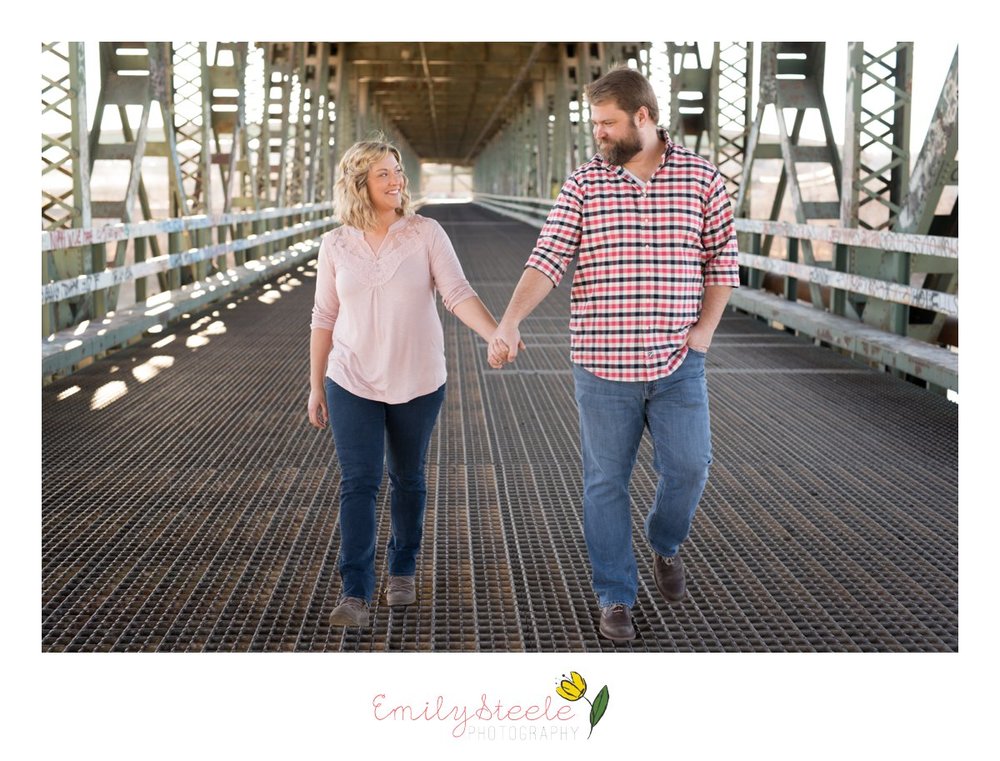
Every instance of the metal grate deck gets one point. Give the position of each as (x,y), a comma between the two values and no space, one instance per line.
(187,505)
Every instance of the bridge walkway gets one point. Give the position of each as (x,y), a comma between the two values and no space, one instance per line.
(187,505)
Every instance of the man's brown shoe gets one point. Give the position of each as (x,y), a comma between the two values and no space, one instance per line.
(669,576)
(616,623)
(401,590)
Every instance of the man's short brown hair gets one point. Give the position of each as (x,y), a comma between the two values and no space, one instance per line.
(629,89)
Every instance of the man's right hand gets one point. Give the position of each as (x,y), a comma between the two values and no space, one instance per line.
(506,343)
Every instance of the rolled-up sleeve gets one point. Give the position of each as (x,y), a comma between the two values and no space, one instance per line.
(559,240)
(446,270)
(718,237)
(326,305)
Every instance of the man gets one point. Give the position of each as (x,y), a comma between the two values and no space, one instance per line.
(651,227)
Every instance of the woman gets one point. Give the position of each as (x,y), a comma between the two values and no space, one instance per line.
(377,368)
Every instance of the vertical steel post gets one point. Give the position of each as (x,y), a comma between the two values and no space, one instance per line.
(65,170)
(732,77)
(264,151)
(561,143)
(935,168)
(346,133)
(541,118)
(691,104)
(792,78)
(876,168)
(581,80)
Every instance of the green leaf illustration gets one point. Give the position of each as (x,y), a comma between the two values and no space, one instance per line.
(597,708)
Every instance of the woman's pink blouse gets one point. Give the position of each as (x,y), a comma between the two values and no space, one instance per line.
(388,344)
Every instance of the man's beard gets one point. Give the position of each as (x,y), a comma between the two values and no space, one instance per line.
(621,152)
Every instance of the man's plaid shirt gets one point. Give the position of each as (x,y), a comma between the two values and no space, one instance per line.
(644,256)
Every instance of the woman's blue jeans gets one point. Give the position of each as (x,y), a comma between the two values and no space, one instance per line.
(367,434)
(613,415)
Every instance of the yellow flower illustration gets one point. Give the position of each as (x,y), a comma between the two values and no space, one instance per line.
(572,690)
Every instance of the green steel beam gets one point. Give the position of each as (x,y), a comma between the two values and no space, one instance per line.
(877,120)
(732,81)
(936,168)
(792,78)
(65,171)
(935,165)
(322,102)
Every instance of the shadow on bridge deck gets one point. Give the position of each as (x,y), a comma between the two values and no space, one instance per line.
(189,506)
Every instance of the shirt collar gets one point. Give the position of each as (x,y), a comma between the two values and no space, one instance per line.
(357,233)
(668,144)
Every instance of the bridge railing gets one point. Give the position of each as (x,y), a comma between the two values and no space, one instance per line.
(82,315)
(936,365)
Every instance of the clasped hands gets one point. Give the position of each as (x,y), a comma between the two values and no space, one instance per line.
(499,351)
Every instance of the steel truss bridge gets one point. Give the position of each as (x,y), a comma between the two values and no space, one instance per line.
(188,506)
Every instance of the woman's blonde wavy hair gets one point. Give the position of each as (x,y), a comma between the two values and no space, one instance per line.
(353,206)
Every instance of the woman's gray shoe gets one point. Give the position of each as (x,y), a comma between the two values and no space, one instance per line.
(352,611)
(401,590)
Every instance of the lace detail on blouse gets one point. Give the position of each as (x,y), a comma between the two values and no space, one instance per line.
(351,251)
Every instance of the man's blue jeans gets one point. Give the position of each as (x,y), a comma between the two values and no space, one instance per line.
(613,415)
(364,432)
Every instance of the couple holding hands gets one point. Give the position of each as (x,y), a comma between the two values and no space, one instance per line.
(651,228)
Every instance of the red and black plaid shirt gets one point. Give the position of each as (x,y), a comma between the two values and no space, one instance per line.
(644,256)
